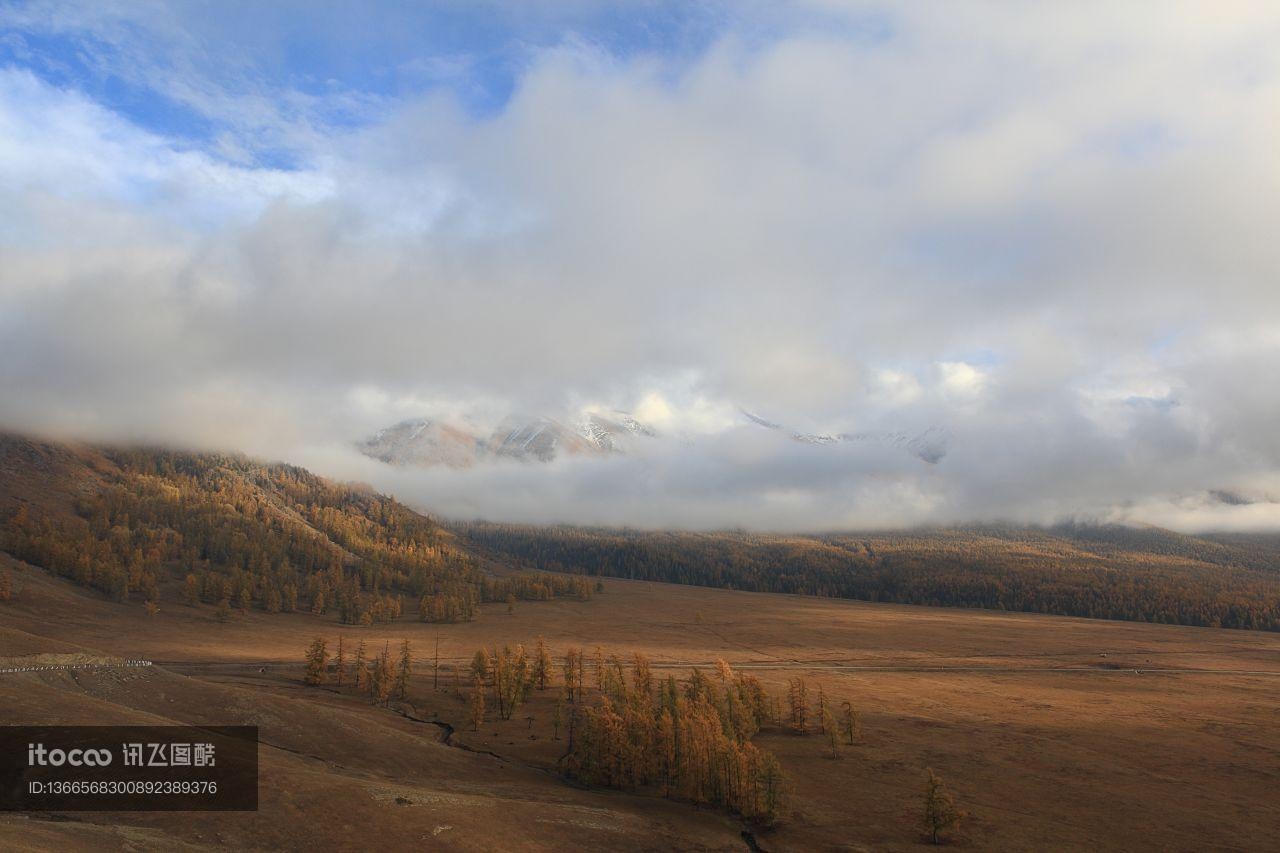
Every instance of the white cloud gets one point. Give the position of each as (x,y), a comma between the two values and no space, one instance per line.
(813,228)
(960,380)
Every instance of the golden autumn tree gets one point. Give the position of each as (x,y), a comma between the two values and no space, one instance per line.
(690,743)
(317,662)
(850,723)
(940,812)
(404,668)
(363,676)
(543,669)
(798,702)
(829,729)
(340,664)
(383,678)
(476,704)
(572,673)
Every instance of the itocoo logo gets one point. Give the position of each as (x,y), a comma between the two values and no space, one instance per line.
(38,756)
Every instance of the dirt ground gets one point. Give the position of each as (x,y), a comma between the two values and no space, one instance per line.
(1053,733)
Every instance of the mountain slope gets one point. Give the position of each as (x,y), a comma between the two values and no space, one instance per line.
(231,531)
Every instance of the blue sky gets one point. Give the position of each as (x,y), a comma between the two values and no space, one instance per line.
(179,69)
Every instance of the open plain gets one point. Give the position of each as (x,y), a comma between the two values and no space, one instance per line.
(1053,733)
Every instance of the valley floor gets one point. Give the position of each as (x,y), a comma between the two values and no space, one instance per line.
(1053,733)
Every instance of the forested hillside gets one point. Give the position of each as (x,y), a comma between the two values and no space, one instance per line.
(1104,572)
(237,533)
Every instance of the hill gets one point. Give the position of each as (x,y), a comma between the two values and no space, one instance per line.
(145,524)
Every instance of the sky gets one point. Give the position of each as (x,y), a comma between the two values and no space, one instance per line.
(1045,230)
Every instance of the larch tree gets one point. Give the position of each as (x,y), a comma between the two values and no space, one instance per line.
(340,664)
(829,729)
(476,704)
(798,700)
(572,673)
(435,664)
(317,662)
(850,723)
(542,665)
(772,783)
(940,812)
(364,680)
(481,664)
(404,668)
(383,678)
(597,662)
(725,671)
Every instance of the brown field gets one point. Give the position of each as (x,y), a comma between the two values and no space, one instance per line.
(1171,741)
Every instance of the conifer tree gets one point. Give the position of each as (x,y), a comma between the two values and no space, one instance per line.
(940,812)
(509,680)
(340,664)
(383,679)
(725,671)
(668,754)
(798,699)
(191,591)
(572,673)
(435,664)
(481,664)
(641,678)
(850,723)
(476,705)
(404,669)
(317,662)
(828,722)
(364,680)
(772,784)
(542,666)
(598,664)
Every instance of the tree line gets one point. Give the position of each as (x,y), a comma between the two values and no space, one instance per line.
(1102,572)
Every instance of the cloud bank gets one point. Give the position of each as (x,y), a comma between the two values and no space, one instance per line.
(1049,231)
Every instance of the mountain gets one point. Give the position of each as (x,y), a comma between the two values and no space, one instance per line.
(424,442)
(930,445)
(538,438)
(613,433)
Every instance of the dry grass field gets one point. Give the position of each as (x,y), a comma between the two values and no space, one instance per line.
(1053,733)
